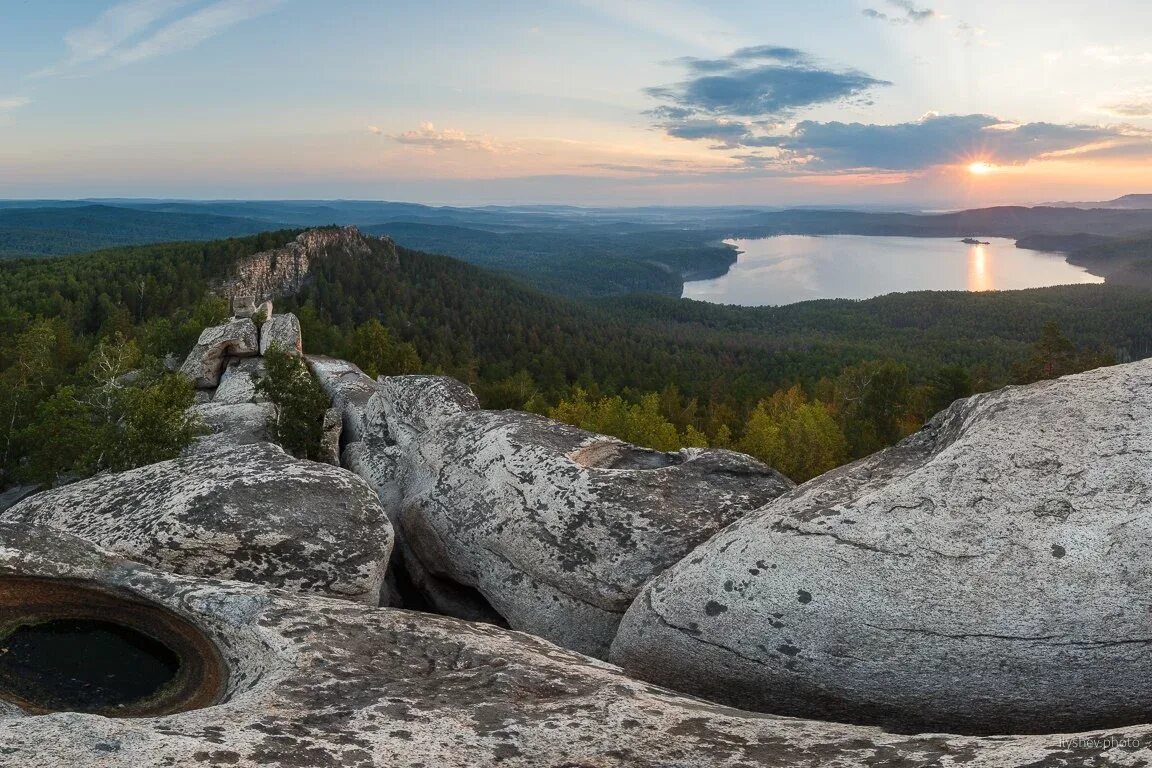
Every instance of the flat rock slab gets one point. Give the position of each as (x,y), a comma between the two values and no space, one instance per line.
(251,513)
(991,573)
(227,425)
(560,528)
(315,682)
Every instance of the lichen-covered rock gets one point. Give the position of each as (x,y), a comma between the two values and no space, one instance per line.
(406,407)
(330,437)
(990,573)
(236,338)
(230,424)
(251,513)
(315,682)
(238,381)
(350,390)
(282,332)
(557,527)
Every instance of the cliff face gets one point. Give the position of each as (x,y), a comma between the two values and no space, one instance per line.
(284,271)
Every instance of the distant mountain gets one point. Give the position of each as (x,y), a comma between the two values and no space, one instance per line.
(1127,202)
(59,230)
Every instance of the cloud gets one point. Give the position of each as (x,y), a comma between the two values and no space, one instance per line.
(1112,54)
(13,102)
(906,12)
(431,138)
(136,30)
(1136,106)
(761,81)
(942,140)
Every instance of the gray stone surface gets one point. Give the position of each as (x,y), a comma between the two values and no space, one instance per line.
(282,331)
(238,381)
(406,407)
(350,390)
(228,425)
(316,682)
(991,573)
(236,338)
(330,437)
(251,513)
(557,527)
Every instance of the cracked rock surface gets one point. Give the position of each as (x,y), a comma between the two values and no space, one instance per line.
(560,528)
(251,513)
(315,682)
(988,574)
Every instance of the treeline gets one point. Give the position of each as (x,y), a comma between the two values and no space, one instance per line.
(847,377)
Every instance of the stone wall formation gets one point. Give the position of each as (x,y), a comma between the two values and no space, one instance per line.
(465,587)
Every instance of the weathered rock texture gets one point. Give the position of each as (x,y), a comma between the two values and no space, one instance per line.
(988,574)
(283,332)
(315,682)
(251,513)
(557,527)
(236,338)
(230,424)
(284,271)
(405,407)
(238,381)
(350,390)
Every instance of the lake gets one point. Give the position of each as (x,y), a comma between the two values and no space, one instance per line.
(791,268)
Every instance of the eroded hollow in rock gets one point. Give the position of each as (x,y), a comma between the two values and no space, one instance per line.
(612,455)
(69,647)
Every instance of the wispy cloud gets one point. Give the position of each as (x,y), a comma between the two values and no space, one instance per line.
(136,30)
(9,103)
(901,12)
(432,139)
(1114,54)
(1135,104)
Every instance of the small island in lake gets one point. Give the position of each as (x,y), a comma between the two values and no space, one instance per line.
(974,241)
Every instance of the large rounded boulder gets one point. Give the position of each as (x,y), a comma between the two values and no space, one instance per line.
(559,528)
(249,512)
(990,574)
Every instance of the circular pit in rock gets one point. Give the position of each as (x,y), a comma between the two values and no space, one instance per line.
(71,647)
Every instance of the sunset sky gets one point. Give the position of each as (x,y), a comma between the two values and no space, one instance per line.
(889,102)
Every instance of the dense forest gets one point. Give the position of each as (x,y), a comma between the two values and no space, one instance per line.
(805,386)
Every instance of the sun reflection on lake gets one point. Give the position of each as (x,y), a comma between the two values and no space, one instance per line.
(979,271)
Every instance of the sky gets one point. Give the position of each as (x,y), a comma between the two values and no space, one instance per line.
(928,103)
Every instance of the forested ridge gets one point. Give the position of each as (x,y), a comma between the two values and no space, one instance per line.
(806,386)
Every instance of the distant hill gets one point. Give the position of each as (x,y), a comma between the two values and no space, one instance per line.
(61,229)
(1127,202)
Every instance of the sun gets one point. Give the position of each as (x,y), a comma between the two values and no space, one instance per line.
(981,168)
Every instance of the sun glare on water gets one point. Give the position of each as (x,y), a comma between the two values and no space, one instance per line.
(981,168)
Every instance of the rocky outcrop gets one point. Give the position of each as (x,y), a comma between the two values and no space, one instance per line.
(406,407)
(282,332)
(988,575)
(556,527)
(285,271)
(350,390)
(251,513)
(315,682)
(236,338)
